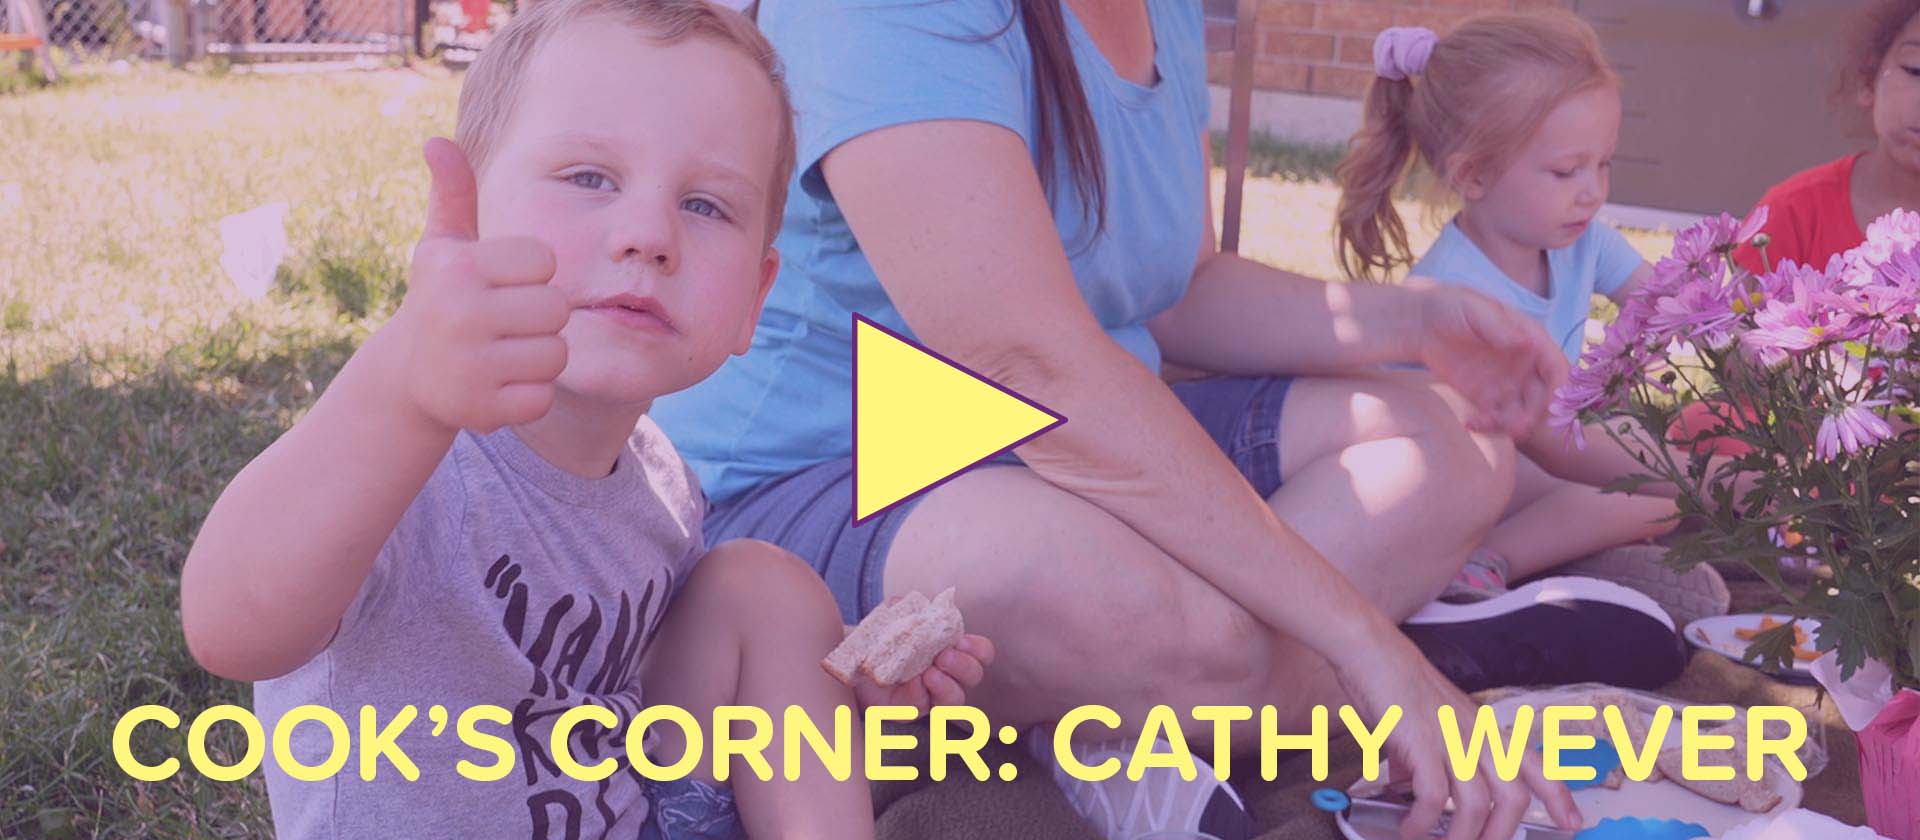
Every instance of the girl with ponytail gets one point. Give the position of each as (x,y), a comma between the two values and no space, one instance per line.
(1516,116)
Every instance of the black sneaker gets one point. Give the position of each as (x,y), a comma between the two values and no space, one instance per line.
(1554,630)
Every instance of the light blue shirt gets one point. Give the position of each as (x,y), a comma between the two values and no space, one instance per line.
(1599,261)
(855,66)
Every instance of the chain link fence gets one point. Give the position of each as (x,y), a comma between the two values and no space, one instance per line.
(307,28)
(240,30)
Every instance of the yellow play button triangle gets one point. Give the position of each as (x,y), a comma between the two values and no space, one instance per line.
(920,418)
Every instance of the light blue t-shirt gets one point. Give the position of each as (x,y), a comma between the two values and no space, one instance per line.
(855,66)
(1599,261)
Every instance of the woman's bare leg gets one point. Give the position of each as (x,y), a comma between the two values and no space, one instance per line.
(1379,476)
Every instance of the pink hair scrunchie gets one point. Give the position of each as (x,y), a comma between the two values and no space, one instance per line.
(1402,51)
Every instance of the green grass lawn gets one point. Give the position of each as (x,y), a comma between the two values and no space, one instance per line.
(137,381)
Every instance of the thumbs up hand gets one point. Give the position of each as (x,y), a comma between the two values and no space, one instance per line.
(478,334)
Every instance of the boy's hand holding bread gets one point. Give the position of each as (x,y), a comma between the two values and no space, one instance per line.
(911,651)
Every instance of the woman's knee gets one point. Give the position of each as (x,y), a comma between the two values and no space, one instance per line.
(1475,471)
(1058,584)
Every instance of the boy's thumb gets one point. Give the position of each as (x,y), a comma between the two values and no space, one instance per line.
(452,195)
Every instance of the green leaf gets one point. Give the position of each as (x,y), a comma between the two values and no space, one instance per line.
(1772,648)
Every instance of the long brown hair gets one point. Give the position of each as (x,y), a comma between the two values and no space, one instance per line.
(1060,100)
(1061,103)
(1485,90)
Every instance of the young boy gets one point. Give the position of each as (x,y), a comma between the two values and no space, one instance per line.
(477,511)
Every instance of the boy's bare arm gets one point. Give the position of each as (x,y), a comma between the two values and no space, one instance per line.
(289,543)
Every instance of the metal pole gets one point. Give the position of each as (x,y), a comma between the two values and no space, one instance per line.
(179,34)
(420,22)
(1239,118)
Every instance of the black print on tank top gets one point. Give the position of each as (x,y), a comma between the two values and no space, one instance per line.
(559,641)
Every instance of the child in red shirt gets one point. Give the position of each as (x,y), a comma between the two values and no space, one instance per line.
(1823,211)
(1810,217)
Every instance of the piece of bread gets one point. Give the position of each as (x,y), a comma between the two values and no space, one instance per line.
(1637,724)
(1751,795)
(897,641)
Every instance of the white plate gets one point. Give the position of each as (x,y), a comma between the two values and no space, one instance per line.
(1717,634)
(1657,800)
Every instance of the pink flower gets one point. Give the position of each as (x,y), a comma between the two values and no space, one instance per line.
(1900,270)
(1595,385)
(1894,294)
(1632,320)
(1695,309)
(1888,302)
(1756,221)
(1794,326)
(1701,245)
(1898,230)
(1850,429)
(1802,309)
(1587,390)
(1669,274)
(1616,350)
(1887,236)
(1563,417)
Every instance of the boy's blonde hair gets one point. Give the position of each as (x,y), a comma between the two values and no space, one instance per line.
(488,95)
(1485,90)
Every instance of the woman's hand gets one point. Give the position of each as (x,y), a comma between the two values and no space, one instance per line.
(1392,672)
(1500,360)
(954,672)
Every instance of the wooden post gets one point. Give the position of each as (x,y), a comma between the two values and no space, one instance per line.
(421,19)
(31,20)
(1239,119)
(179,34)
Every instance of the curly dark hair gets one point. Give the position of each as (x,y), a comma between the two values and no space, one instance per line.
(1873,38)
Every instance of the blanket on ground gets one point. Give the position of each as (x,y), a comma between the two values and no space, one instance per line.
(960,808)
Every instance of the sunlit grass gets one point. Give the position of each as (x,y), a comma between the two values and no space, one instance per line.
(137,381)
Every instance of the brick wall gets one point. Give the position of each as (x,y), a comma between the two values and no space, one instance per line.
(1325,47)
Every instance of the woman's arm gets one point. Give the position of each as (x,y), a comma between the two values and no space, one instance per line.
(970,256)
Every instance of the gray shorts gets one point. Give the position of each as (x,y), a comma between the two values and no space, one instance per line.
(810,513)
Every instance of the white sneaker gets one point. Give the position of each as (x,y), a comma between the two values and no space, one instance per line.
(1121,809)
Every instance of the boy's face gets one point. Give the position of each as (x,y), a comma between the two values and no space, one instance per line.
(646,168)
(1895,99)
(1559,179)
